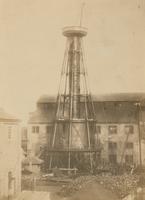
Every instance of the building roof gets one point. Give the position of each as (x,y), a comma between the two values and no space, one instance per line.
(112,112)
(32,160)
(26,172)
(109,108)
(119,97)
(102,97)
(46,99)
(4,116)
(109,112)
(42,117)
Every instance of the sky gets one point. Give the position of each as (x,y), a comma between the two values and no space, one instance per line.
(32,48)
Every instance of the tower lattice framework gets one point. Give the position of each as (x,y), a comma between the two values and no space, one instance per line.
(74,141)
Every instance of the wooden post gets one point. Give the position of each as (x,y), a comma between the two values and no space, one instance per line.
(139,135)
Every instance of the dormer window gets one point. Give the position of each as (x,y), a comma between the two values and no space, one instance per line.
(35,129)
(129,129)
(112,129)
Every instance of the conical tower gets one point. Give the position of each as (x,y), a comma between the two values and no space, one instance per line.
(74,139)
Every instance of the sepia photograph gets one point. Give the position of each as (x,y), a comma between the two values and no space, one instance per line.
(72,100)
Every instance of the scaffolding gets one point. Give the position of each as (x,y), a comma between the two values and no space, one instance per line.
(74,137)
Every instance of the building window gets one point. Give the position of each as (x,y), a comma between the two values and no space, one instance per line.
(129,145)
(9,132)
(45,106)
(129,159)
(48,129)
(40,148)
(10,180)
(25,135)
(113,158)
(98,129)
(129,129)
(112,129)
(112,145)
(35,129)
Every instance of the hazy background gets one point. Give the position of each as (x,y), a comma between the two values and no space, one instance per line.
(32,48)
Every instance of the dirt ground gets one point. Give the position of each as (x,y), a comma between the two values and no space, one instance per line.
(94,191)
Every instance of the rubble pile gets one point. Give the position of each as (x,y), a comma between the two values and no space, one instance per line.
(120,184)
(76,185)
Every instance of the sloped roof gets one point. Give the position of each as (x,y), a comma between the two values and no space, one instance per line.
(112,112)
(119,97)
(42,117)
(102,97)
(33,160)
(26,172)
(118,108)
(4,116)
(105,112)
(46,99)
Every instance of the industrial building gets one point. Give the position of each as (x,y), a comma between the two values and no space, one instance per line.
(10,156)
(119,118)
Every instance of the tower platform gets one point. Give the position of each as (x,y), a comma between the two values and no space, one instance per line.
(74,31)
